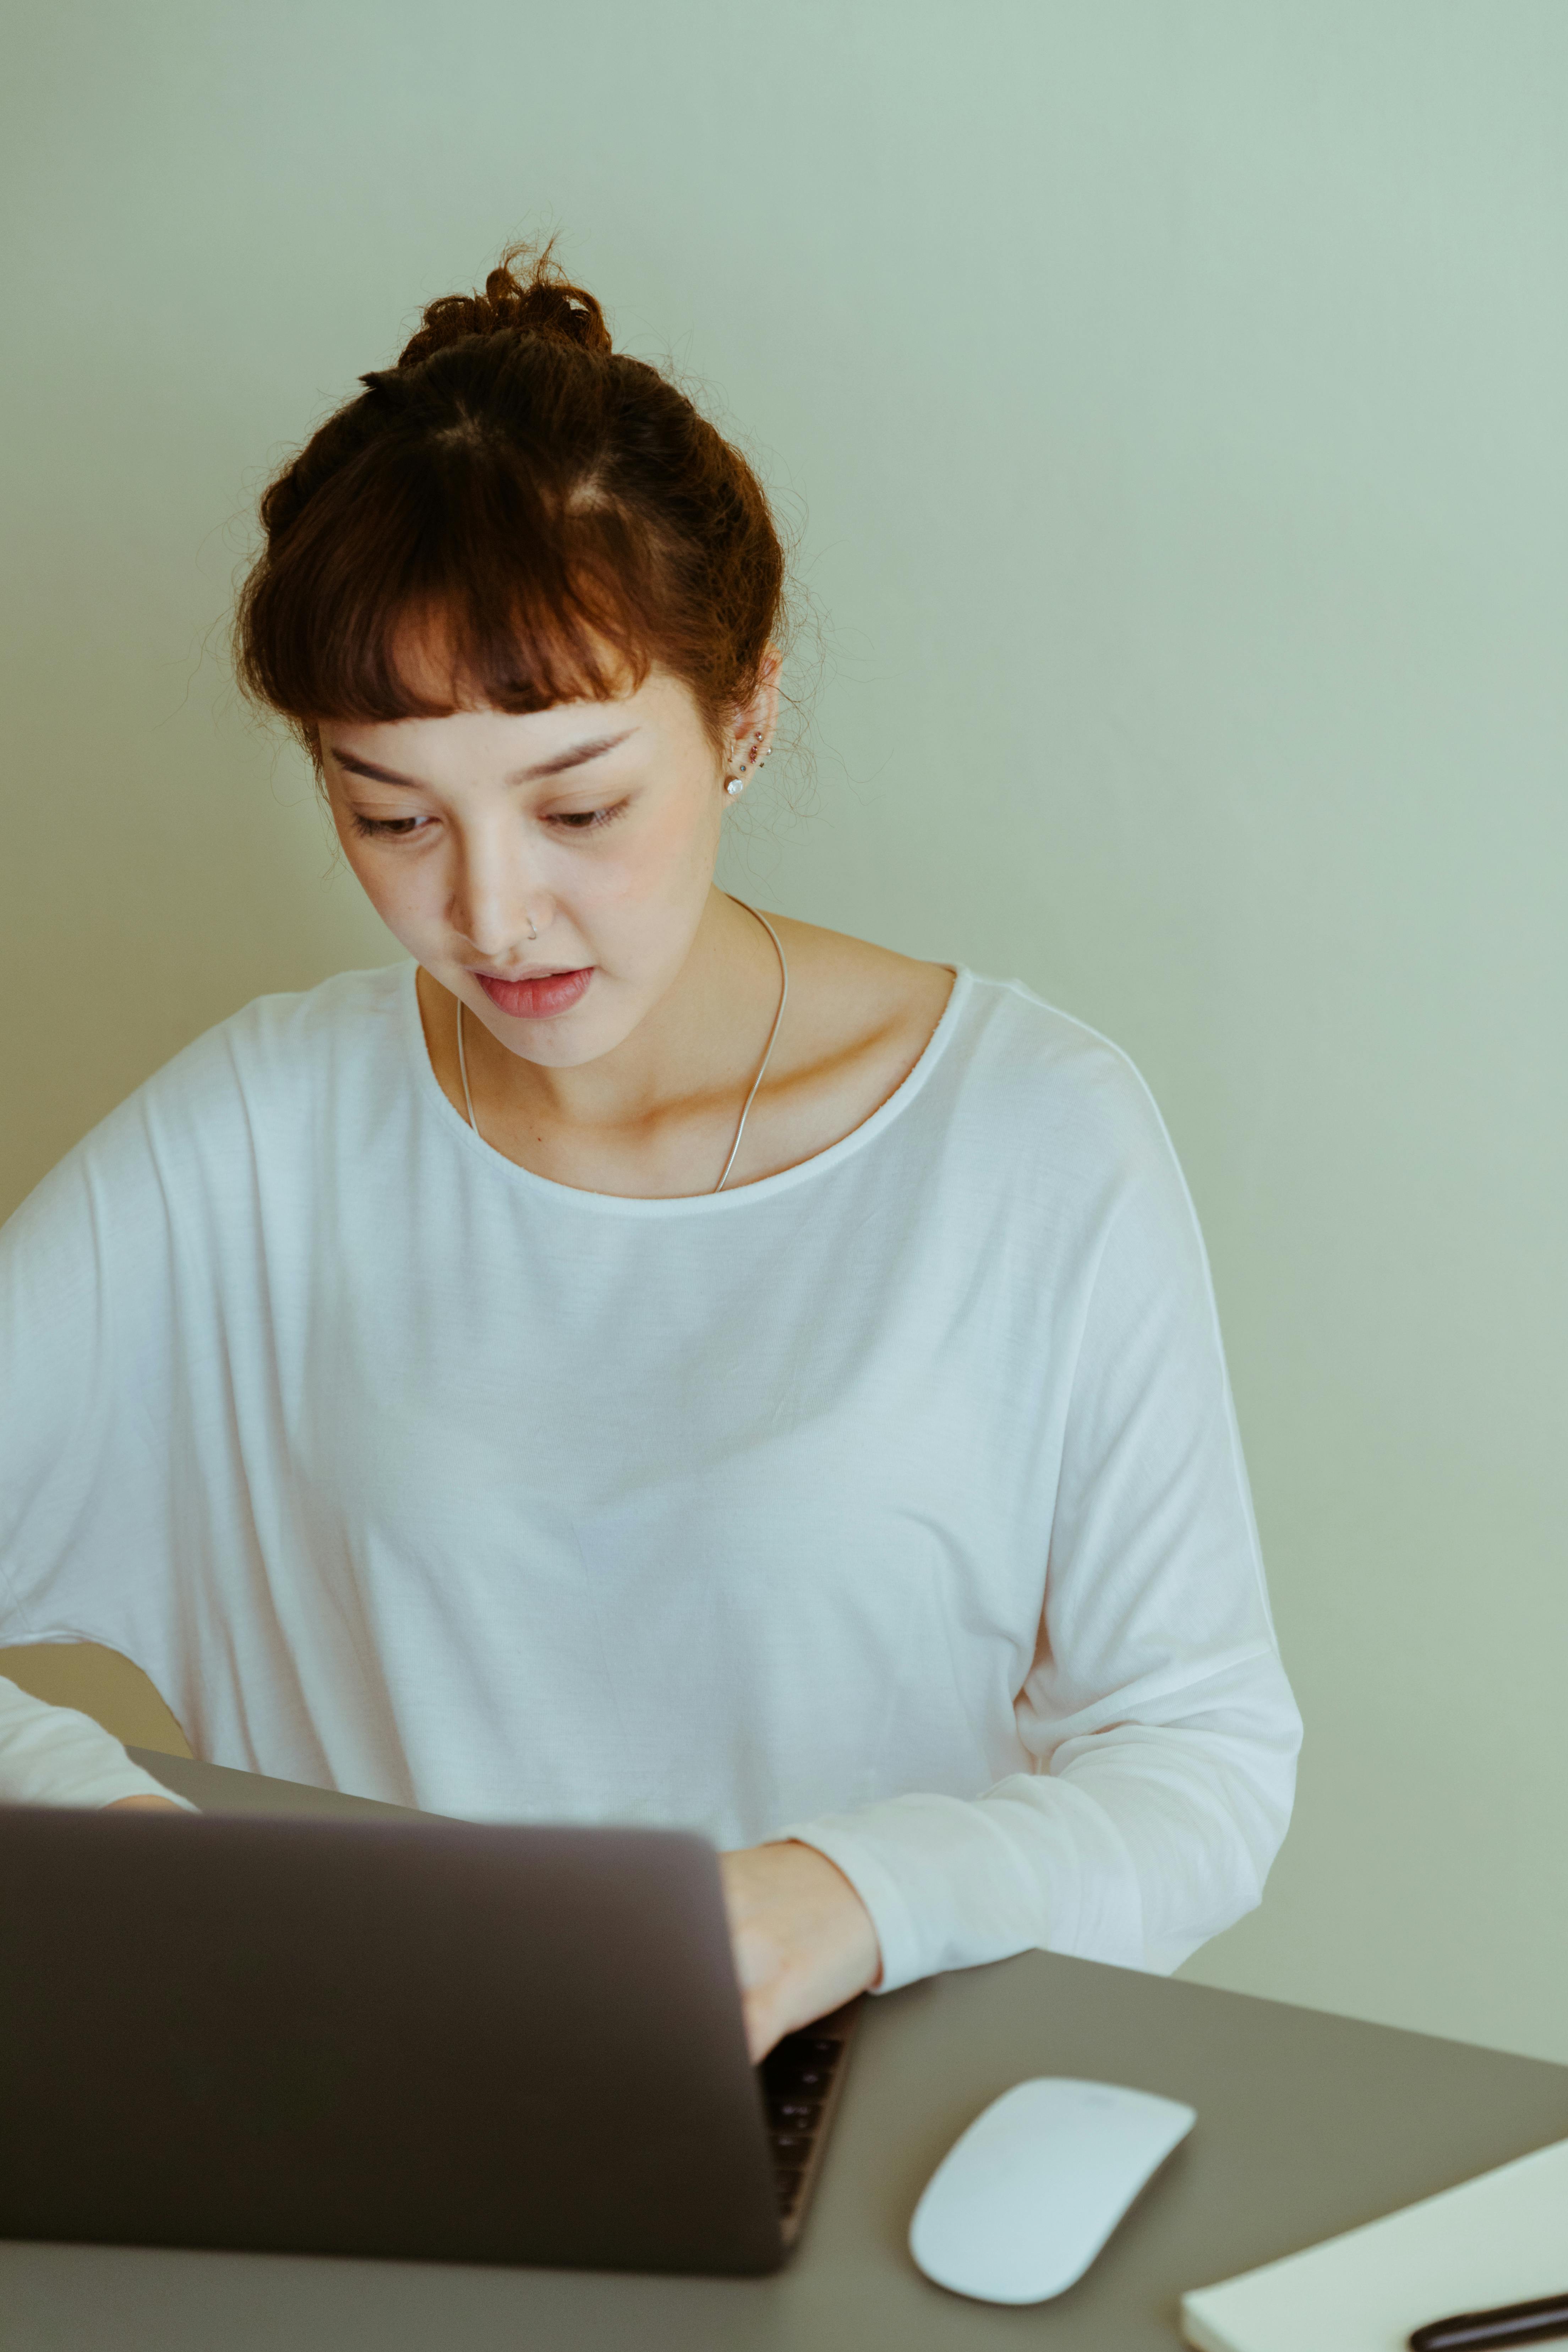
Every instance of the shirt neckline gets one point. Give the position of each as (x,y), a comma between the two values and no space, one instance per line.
(428,1088)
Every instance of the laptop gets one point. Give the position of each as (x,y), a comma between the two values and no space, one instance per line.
(425,2040)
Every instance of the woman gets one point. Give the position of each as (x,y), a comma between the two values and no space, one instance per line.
(638,1359)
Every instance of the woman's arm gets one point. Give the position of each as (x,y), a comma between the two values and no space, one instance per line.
(1162,1727)
(1134,1844)
(53,1755)
(85,1285)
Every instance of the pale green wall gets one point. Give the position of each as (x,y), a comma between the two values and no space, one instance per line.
(1177,395)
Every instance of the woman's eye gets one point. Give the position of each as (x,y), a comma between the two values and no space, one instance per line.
(588,820)
(404,828)
(388,828)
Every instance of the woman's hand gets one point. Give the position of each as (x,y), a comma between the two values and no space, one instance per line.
(142,1805)
(802,1940)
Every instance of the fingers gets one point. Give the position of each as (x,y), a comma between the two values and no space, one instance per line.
(770,2013)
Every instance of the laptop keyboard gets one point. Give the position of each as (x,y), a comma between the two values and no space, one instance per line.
(797,2076)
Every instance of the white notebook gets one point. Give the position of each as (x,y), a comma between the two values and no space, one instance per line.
(1498,2240)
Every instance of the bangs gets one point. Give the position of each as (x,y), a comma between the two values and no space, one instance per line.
(431,575)
(513,518)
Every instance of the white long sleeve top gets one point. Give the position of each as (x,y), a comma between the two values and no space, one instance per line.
(894,1503)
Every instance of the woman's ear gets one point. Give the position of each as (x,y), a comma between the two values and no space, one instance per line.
(767,695)
(754,723)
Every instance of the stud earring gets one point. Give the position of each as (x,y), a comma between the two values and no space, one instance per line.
(736,785)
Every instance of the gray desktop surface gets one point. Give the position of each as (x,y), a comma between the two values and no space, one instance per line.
(1307,2124)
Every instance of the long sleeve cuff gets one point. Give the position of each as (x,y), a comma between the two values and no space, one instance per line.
(950,1881)
(1147,1838)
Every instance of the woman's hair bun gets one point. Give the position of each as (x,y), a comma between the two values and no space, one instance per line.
(525,294)
(546,516)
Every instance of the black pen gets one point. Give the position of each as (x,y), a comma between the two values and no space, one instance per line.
(1517,2323)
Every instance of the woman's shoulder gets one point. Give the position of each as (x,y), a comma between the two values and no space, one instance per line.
(295,1028)
(1007,1074)
(192,1141)
(255,1074)
(1021,1030)
(1033,1048)
(994,1033)
(852,990)
(283,1045)
(1056,1092)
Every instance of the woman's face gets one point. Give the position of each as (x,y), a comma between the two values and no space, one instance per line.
(595,824)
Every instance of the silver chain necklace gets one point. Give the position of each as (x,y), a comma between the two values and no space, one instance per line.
(756,1082)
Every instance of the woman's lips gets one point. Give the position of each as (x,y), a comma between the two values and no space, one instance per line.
(536,998)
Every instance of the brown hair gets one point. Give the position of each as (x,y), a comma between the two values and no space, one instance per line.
(552,515)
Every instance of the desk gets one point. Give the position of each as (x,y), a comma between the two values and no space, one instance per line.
(1307,2124)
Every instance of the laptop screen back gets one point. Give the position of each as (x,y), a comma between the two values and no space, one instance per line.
(460,2043)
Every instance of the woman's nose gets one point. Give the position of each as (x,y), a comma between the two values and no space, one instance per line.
(494,900)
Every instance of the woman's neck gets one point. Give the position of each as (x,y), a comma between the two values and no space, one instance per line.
(656,1118)
(657,1113)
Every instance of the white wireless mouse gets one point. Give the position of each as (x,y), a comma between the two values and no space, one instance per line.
(1019,2207)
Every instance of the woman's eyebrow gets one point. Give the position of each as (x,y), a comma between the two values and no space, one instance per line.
(575,758)
(377,775)
(572,759)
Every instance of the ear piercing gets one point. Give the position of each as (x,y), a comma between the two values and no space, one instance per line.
(736,785)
